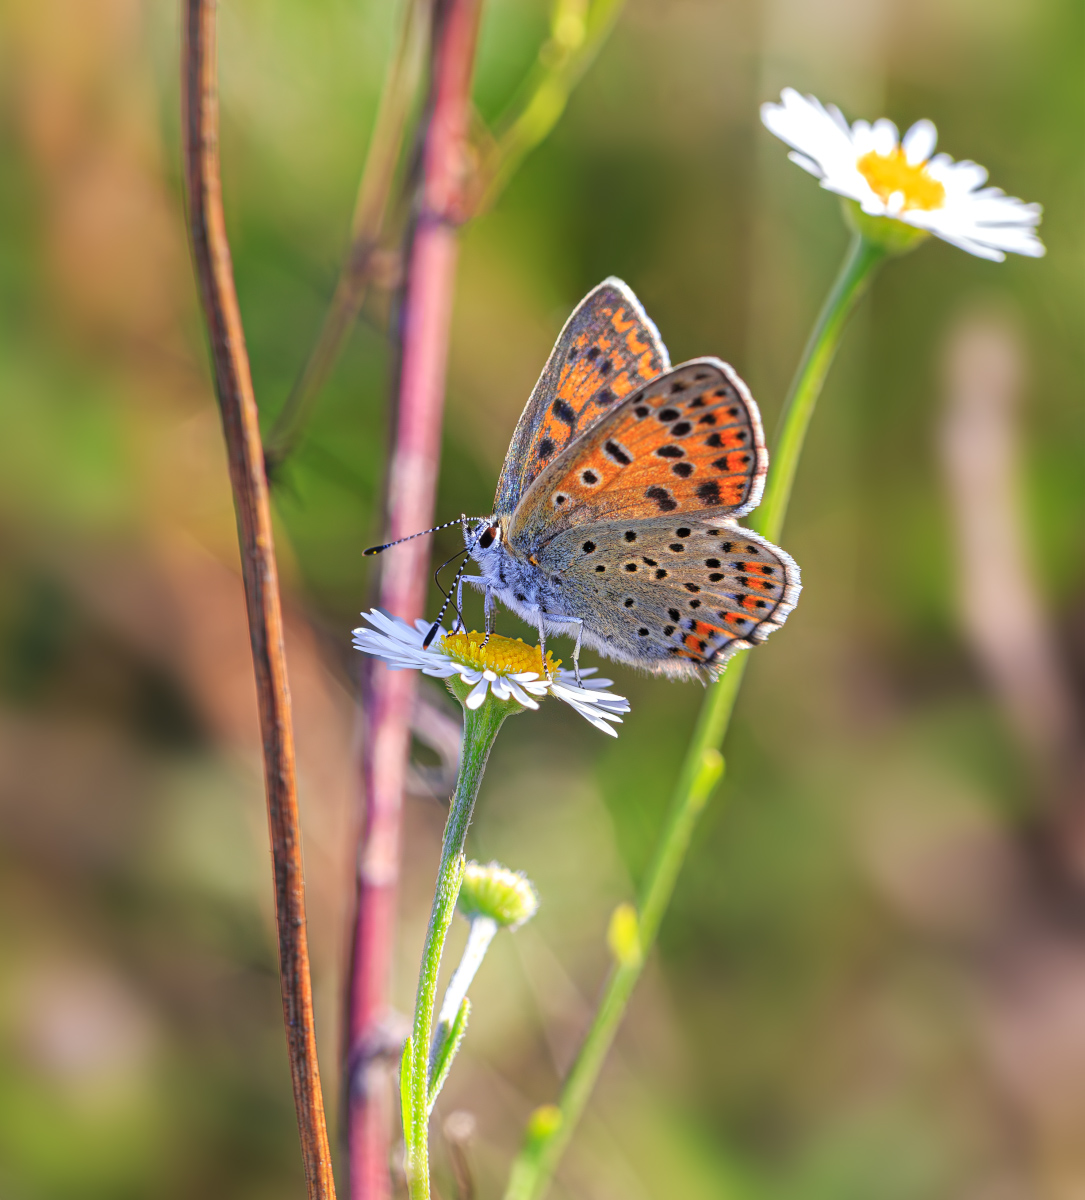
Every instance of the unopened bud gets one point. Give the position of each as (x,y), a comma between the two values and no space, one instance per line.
(623,935)
(506,897)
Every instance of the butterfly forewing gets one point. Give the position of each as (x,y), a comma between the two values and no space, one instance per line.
(608,348)
(676,594)
(686,442)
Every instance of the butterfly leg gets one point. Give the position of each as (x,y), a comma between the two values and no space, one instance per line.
(457,624)
(576,650)
(489,605)
(479,582)
(542,646)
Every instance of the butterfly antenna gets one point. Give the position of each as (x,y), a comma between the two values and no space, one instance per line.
(437,576)
(437,573)
(460,520)
(448,600)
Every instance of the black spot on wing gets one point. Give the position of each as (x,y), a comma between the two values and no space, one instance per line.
(664,500)
(564,412)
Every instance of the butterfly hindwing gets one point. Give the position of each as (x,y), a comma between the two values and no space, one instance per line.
(688,441)
(673,593)
(608,348)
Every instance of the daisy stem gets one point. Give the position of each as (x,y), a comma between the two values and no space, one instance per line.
(862,257)
(480,728)
(551,1128)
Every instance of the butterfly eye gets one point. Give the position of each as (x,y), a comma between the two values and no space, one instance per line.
(487,539)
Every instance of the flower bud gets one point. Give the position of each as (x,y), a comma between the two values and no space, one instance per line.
(623,936)
(506,897)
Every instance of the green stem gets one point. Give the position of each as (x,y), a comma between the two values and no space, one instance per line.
(356,272)
(858,266)
(551,1127)
(480,728)
(578,30)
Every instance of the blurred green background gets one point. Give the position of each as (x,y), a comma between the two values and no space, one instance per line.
(872,981)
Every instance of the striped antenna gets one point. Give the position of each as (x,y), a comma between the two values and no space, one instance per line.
(461,520)
(448,600)
(451,592)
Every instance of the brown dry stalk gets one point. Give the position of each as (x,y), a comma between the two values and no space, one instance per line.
(426,319)
(233,386)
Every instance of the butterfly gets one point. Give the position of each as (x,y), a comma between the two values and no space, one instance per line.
(615,519)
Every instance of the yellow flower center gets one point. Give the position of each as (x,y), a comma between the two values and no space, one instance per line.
(500,654)
(892,172)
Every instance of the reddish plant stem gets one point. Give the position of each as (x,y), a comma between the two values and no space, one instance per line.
(426,319)
(233,386)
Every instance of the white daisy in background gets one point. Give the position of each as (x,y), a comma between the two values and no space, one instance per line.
(510,669)
(894,177)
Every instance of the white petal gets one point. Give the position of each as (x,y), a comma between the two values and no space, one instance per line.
(980,251)
(991,207)
(399,630)
(919,142)
(839,118)
(520,696)
(593,706)
(956,177)
(885,136)
(804,124)
(477,694)
(985,223)
(807,164)
(873,205)
(862,137)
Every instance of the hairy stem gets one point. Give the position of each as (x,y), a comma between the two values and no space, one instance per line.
(480,728)
(547,1138)
(233,386)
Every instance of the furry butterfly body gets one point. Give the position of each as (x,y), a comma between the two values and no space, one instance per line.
(615,515)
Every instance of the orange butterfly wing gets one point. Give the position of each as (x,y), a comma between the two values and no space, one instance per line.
(608,348)
(689,441)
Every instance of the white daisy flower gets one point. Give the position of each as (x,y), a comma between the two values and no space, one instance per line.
(510,669)
(894,177)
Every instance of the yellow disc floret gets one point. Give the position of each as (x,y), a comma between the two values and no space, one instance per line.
(500,654)
(892,172)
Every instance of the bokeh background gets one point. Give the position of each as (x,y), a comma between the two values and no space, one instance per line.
(872,980)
